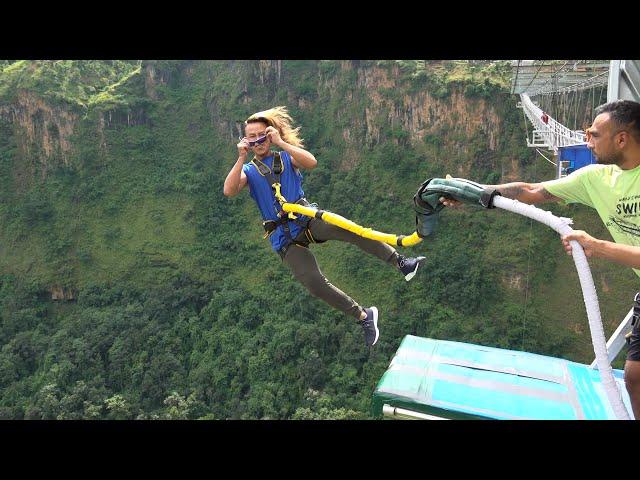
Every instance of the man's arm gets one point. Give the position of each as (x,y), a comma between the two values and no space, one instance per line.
(593,247)
(530,193)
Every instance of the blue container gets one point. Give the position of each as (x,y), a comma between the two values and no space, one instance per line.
(578,156)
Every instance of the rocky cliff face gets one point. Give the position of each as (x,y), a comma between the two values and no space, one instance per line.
(385,104)
(43,133)
(422,113)
(59,293)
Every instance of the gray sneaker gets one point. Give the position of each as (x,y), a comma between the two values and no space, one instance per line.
(409,266)
(370,326)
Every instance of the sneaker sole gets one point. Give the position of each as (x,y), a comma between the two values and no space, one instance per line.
(375,325)
(409,276)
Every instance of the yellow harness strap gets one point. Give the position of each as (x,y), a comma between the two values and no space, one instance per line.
(281,199)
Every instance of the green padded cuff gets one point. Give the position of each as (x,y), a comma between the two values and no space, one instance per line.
(427,207)
(458,189)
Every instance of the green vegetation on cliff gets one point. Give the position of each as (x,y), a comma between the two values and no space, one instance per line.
(111,178)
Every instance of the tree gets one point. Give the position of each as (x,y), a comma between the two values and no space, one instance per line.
(179,407)
(118,408)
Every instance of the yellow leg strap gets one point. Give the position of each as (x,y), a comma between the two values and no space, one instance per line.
(337,220)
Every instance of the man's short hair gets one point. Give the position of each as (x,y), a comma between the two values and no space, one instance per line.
(625,114)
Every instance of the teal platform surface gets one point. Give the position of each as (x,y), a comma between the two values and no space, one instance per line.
(457,380)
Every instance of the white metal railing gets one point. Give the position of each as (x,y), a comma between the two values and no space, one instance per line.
(617,340)
(550,133)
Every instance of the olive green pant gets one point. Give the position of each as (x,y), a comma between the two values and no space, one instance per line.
(305,268)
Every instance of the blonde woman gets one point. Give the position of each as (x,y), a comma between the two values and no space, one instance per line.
(290,238)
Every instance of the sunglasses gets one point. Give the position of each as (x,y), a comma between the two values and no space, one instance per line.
(257,141)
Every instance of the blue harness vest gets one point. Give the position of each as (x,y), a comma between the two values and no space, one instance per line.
(261,175)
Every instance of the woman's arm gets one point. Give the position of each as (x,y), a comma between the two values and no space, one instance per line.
(300,158)
(236,179)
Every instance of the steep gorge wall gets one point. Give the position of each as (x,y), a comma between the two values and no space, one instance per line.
(372,104)
(422,113)
(362,106)
(380,93)
(43,132)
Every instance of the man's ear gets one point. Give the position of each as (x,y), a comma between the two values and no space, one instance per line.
(623,139)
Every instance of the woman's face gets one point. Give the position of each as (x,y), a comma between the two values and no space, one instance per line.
(254,132)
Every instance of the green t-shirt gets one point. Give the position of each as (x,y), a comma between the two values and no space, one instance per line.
(613,192)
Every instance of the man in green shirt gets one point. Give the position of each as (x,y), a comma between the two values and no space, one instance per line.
(612,188)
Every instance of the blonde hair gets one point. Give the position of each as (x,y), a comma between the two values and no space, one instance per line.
(278,118)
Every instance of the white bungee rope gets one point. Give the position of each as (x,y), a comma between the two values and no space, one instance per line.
(561,225)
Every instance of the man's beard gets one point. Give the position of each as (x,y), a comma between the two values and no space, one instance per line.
(612,159)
